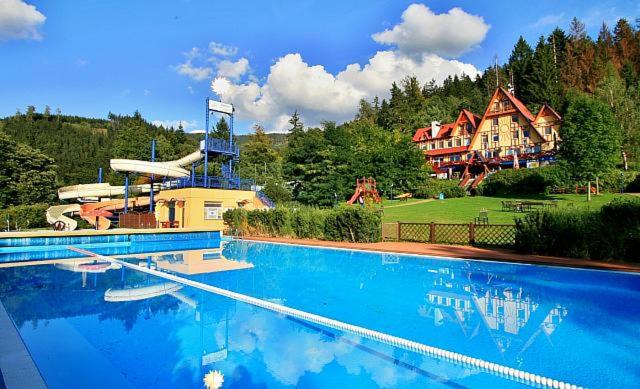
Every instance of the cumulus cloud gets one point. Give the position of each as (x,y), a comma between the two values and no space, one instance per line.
(197,73)
(233,70)
(19,20)
(293,84)
(423,41)
(422,31)
(222,50)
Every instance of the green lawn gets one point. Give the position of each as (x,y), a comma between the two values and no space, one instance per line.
(465,209)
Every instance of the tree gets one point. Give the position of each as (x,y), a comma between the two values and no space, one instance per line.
(625,105)
(520,65)
(296,122)
(258,158)
(26,175)
(542,80)
(590,140)
(221,130)
(579,55)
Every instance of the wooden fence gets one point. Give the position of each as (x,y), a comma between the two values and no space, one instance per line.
(473,234)
(137,220)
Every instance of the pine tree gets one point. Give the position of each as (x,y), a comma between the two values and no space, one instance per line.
(542,81)
(296,123)
(520,66)
(579,55)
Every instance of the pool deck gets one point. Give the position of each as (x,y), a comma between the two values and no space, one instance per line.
(456,251)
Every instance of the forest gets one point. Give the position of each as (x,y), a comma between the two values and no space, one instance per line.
(575,73)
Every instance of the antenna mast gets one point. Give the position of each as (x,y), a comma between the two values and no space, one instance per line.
(496,67)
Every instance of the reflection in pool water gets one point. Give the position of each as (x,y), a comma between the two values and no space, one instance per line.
(527,317)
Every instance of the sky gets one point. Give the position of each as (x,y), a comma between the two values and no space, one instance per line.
(268,59)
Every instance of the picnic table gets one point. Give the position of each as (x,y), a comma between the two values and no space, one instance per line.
(526,205)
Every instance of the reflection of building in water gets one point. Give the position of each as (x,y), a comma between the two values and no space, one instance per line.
(504,309)
(191,262)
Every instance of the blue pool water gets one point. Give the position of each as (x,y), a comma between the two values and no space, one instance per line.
(578,326)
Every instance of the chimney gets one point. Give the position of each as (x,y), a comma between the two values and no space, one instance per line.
(435,128)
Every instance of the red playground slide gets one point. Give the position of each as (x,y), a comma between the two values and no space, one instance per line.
(365,187)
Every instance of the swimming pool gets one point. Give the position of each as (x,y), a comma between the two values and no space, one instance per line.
(100,324)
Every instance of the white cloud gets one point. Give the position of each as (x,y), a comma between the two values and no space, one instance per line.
(19,20)
(125,92)
(190,89)
(422,31)
(80,62)
(222,50)
(548,20)
(146,92)
(186,124)
(197,73)
(233,70)
(317,94)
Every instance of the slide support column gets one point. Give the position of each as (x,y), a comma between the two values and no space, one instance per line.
(206,145)
(126,192)
(153,159)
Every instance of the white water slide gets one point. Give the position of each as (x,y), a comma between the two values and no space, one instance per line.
(173,169)
(93,192)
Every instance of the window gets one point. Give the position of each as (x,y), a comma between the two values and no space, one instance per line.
(458,142)
(495,121)
(485,138)
(213,210)
(525,133)
(455,158)
(432,145)
(496,137)
(514,119)
(516,134)
(449,143)
(467,141)
(547,130)
(441,144)
(469,128)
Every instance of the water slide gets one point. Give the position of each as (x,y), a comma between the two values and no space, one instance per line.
(57,213)
(98,212)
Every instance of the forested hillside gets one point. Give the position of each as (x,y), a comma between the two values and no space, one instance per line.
(79,146)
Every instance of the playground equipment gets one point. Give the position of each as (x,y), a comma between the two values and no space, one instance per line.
(365,188)
(158,176)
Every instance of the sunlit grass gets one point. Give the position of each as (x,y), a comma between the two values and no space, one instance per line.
(464,210)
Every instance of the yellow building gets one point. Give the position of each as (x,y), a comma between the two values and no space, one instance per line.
(507,128)
(201,207)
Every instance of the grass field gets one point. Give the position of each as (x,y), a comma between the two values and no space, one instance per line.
(465,209)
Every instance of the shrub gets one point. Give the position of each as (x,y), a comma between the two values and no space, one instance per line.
(345,223)
(524,181)
(617,180)
(24,216)
(433,187)
(613,232)
(308,222)
(353,224)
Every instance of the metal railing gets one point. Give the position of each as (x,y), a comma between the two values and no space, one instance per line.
(211,182)
(222,146)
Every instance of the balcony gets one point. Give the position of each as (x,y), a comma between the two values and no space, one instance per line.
(221,146)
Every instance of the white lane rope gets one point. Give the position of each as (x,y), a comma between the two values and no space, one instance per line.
(406,344)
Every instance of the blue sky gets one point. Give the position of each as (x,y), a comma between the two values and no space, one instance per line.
(92,57)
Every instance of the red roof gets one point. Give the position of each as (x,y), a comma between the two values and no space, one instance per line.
(445,131)
(519,106)
(449,150)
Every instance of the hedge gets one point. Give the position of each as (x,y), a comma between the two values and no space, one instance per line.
(345,223)
(433,187)
(544,179)
(24,216)
(613,232)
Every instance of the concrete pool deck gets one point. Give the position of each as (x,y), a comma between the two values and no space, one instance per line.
(457,251)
